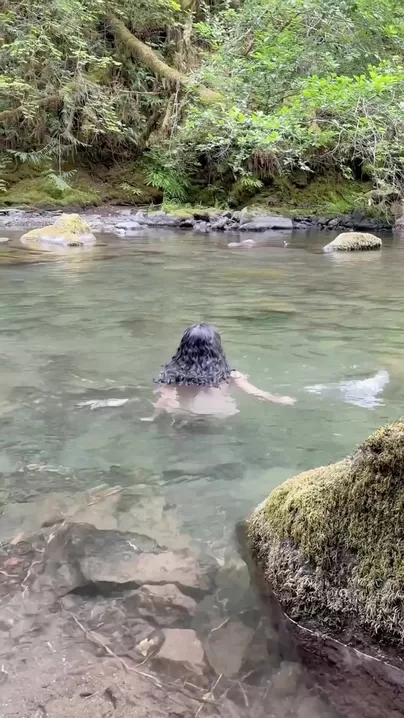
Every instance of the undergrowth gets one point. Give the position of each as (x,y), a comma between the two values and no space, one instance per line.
(214,103)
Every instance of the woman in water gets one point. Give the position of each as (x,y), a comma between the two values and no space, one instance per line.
(198,379)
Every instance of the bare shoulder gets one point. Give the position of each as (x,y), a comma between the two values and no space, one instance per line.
(237,374)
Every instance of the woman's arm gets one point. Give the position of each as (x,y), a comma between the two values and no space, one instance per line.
(242,382)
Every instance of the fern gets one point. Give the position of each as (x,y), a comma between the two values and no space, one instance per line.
(36,158)
(59,181)
(248,183)
(167,179)
(130,190)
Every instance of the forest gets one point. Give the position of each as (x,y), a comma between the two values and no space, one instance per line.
(216,103)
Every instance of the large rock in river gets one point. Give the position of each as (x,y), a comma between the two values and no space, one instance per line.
(69,230)
(329,544)
(353,241)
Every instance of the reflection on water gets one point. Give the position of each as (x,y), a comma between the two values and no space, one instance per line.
(82,338)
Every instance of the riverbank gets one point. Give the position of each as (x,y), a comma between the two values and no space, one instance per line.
(131,221)
(324,202)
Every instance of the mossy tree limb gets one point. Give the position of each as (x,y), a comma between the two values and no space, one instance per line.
(148,57)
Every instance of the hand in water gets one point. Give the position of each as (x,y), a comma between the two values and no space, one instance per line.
(287,400)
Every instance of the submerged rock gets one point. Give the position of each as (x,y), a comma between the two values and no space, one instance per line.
(353,241)
(227,645)
(183,650)
(69,230)
(165,604)
(329,544)
(79,556)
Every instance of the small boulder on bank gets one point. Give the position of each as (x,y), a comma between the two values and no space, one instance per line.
(354,241)
(256,219)
(69,230)
(159,219)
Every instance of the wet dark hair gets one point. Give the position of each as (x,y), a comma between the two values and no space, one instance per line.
(199,361)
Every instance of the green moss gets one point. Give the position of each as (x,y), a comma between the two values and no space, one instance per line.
(331,540)
(210,196)
(328,195)
(187,211)
(73,223)
(69,230)
(354,241)
(36,192)
(182,212)
(123,185)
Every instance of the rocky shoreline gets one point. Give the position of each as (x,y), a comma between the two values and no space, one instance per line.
(132,221)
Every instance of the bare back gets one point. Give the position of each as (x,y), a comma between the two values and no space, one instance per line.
(198,400)
(209,400)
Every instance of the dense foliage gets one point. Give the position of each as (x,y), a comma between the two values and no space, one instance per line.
(227,94)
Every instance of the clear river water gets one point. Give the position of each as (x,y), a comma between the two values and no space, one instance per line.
(327,329)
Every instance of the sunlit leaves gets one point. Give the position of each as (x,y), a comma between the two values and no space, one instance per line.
(307,83)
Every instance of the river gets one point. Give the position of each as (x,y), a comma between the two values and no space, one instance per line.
(77,333)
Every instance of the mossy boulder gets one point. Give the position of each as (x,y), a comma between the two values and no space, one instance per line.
(330,544)
(69,230)
(353,241)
